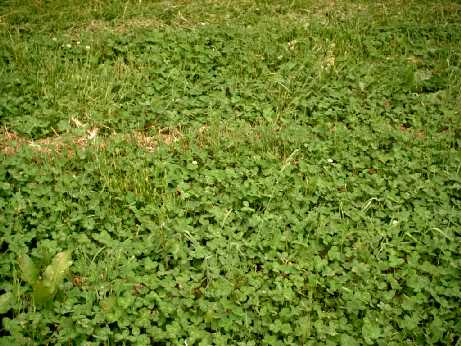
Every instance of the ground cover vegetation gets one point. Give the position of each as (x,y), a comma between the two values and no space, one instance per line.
(230,172)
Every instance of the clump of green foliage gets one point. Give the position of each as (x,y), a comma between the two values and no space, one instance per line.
(270,172)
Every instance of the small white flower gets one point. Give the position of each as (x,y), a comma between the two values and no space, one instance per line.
(92,133)
(87,47)
(194,162)
(292,44)
(78,42)
(330,161)
(68,45)
(54,39)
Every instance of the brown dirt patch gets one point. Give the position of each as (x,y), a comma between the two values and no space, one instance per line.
(11,142)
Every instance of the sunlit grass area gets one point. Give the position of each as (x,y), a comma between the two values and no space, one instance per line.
(230,172)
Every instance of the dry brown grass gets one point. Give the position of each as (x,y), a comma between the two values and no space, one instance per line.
(144,141)
(11,142)
(122,25)
(138,23)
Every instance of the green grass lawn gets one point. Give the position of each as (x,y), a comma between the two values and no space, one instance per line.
(230,172)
